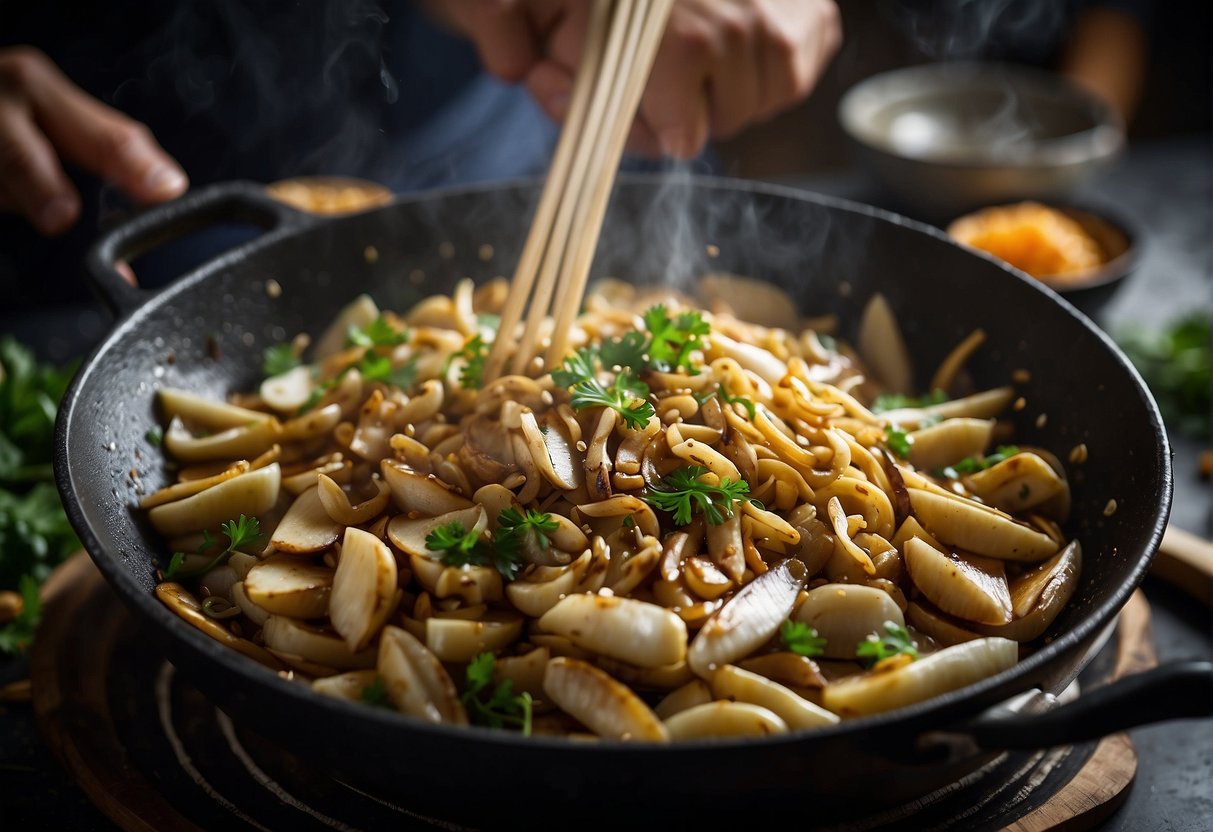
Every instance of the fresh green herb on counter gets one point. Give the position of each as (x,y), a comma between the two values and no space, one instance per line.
(1175,364)
(35,535)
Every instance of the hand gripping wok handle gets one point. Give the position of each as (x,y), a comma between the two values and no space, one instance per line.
(1177,690)
(245,202)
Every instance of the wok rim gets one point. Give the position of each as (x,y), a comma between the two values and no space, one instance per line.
(257,676)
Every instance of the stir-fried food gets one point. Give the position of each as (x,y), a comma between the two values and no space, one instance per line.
(695,526)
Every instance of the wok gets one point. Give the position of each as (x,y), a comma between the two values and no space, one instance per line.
(207,332)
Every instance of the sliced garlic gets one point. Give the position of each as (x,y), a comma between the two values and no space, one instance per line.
(846,614)
(694,692)
(966,586)
(978,529)
(296,638)
(348,686)
(415,680)
(724,719)
(252,494)
(306,528)
(290,586)
(731,682)
(424,494)
(459,640)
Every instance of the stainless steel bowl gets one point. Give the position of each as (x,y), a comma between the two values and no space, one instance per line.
(952,137)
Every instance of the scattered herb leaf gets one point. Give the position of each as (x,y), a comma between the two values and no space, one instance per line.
(279,359)
(245,531)
(896,401)
(671,341)
(898,440)
(464,547)
(682,491)
(494,705)
(895,642)
(376,693)
(801,639)
(154,435)
(378,333)
(973,464)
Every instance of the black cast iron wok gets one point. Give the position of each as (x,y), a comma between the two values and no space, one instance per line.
(207,333)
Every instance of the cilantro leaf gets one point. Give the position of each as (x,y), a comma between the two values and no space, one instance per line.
(625,351)
(16,635)
(279,359)
(501,707)
(379,368)
(576,369)
(801,639)
(627,395)
(682,491)
(378,333)
(463,547)
(514,528)
(896,641)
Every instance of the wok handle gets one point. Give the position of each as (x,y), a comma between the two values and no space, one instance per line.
(1177,690)
(225,202)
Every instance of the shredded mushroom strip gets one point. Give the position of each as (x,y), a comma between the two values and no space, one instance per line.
(695,526)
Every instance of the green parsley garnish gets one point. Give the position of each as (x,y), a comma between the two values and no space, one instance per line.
(515,527)
(379,368)
(896,641)
(682,491)
(376,693)
(378,333)
(671,341)
(154,435)
(279,359)
(898,440)
(464,547)
(245,531)
(16,635)
(626,395)
(973,464)
(801,639)
(494,705)
(474,354)
(896,401)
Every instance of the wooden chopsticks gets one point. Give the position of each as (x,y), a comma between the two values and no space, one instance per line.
(621,43)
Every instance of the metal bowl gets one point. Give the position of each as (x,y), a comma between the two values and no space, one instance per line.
(949,138)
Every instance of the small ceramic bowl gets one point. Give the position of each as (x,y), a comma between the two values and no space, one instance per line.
(1120,241)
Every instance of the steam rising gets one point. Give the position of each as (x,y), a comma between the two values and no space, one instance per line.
(969,29)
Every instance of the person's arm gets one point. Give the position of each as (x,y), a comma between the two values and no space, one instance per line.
(44,119)
(723,64)
(1107,53)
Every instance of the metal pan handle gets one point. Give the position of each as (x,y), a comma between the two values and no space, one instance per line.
(226,202)
(1178,690)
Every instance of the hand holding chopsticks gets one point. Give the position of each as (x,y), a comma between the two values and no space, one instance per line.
(621,43)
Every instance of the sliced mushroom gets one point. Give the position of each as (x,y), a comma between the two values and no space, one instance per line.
(471,584)
(748,619)
(421,493)
(290,586)
(188,488)
(731,682)
(632,631)
(845,614)
(603,705)
(950,669)
(409,534)
(967,586)
(288,391)
(306,527)
(726,547)
(208,412)
(317,422)
(705,579)
(534,597)
(415,680)
(648,678)
(364,588)
(843,544)
(337,503)
(724,719)
(289,636)
(525,672)
(978,529)
(882,347)
(252,494)
(459,640)
(244,441)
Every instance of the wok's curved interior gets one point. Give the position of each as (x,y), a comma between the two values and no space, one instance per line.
(830,255)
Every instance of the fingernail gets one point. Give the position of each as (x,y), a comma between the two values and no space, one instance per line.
(164,181)
(57,215)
